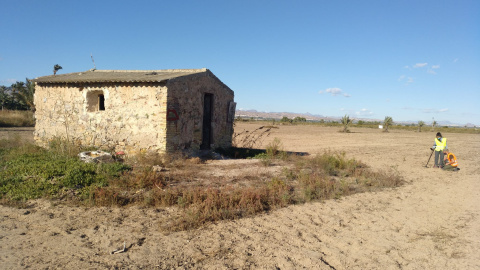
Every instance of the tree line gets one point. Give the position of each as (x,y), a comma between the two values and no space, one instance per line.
(19,96)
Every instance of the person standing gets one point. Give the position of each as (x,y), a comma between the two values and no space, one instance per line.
(440,144)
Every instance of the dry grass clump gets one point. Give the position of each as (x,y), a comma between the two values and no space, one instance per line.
(251,139)
(200,200)
(16,118)
(201,192)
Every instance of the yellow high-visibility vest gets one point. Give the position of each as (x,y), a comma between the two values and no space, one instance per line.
(440,145)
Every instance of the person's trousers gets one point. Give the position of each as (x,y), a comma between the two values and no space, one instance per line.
(439,158)
(449,168)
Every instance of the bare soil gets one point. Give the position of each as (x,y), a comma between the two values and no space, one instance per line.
(432,222)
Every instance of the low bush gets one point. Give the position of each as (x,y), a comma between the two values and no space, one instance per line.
(30,172)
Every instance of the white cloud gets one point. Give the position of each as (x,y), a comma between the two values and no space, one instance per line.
(364,112)
(334,92)
(430,110)
(431,70)
(420,65)
(409,80)
(8,81)
(455,60)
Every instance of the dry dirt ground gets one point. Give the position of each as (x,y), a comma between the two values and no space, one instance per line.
(432,222)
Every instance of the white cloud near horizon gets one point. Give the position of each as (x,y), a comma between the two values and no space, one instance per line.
(364,112)
(425,110)
(334,92)
(420,65)
(430,110)
(435,66)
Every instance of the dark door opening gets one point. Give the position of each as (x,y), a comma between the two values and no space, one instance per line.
(207,121)
(101,102)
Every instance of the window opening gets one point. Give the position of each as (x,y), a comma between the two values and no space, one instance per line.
(95,101)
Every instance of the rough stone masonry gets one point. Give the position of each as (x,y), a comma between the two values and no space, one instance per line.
(135,111)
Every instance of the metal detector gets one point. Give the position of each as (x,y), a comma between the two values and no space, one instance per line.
(426,165)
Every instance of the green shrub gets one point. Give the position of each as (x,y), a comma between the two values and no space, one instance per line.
(31,172)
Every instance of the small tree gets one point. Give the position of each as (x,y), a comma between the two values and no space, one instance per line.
(299,119)
(286,120)
(434,124)
(56,68)
(420,125)
(387,122)
(345,122)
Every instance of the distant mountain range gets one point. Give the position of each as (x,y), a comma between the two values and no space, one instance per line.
(316,117)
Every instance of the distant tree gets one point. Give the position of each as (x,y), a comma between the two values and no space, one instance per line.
(56,68)
(23,93)
(299,119)
(345,122)
(420,125)
(360,122)
(434,125)
(285,120)
(387,122)
(5,98)
(322,121)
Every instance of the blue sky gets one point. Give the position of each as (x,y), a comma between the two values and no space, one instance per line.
(411,60)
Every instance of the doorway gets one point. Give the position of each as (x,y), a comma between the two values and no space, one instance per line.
(207,121)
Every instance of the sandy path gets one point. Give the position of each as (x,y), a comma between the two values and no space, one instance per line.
(430,223)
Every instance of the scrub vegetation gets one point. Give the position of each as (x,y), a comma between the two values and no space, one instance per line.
(16,118)
(29,172)
(370,124)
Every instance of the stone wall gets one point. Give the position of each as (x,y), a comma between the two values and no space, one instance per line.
(161,117)
(185,97)
(133,118)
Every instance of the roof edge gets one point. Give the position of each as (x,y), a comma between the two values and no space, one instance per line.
(145,70)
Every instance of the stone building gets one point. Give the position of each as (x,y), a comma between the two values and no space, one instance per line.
(135,110)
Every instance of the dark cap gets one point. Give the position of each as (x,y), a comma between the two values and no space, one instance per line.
(439,134)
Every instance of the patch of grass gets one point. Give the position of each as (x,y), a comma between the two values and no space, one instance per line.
(29,172)
(16,118)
